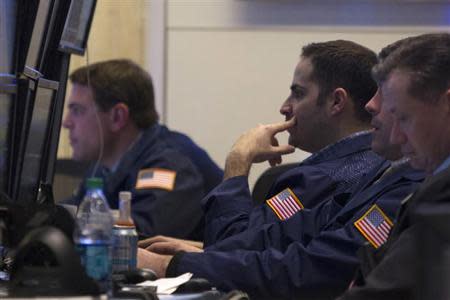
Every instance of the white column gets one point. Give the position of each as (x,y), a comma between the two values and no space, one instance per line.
(156,52)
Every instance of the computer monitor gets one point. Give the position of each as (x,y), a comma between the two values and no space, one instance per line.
(5,103)
(42,27)
(8,90)
(76,29)
(37,138)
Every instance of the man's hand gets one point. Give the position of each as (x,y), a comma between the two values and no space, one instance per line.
(156,262)
(167,245)
(170,248)
(257,145)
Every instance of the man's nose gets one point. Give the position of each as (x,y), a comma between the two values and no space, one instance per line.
(66,123)
(373,106)
(285,108)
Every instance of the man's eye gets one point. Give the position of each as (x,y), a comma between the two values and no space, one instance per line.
(297,94)
(76,110)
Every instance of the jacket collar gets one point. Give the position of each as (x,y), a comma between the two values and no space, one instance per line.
(359,141)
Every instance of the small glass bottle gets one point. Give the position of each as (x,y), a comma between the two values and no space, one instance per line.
(125,237)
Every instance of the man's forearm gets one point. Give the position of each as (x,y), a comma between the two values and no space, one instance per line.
(236,165)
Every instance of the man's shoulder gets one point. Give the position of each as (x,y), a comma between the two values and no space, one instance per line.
(350,155)
(160,139)
(164,157)
(409,173)
(350,168)
(435,188)
(157,142)
(151,153)
(358,142)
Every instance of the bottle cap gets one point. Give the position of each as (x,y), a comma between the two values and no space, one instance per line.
(125,195)
(94,182)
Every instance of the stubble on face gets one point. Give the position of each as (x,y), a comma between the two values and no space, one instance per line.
(304,107)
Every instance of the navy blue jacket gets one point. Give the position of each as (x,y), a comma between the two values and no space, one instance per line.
(311,252)
(177,212)
(333,170)
(410,264)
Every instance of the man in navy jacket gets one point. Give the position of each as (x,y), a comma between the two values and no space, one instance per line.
(312,250)
(415,81)
(331,84)
(113,124)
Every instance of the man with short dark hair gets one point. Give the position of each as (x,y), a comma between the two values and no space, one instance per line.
(415,83)
(113,124)
(312,251)
(324,115)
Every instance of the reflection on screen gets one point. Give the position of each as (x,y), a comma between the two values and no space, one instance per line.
(34,149)
(5,111)
(76,29)
(37,37)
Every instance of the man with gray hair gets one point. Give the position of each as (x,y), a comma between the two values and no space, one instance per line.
(415,83)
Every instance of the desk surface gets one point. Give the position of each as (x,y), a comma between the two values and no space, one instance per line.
(209,295)
(196,296)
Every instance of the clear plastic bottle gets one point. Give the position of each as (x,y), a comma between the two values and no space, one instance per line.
(125,237)
(93,235)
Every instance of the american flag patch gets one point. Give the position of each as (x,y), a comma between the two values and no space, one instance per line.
(285,204)
(156,178)
(375,226)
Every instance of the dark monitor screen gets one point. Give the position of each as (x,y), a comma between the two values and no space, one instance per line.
(7,91)
(37,138)
(5,103)
(39,38)
(77,26)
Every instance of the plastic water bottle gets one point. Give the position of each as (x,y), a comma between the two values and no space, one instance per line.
(93,235)
(125,237)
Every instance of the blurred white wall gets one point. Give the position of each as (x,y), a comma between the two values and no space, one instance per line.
(221,67)
(229,64)
(120,29)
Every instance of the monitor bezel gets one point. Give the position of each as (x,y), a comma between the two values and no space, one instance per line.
(72,49)
(43,26)
(32,93)
(8,87)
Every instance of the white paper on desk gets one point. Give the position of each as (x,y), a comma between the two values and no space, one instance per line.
(167,285)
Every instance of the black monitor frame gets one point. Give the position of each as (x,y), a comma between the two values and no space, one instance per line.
(8,92)
(31,162)
(39,63)
(77,27)
(42,29)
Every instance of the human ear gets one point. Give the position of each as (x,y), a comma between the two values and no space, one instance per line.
(119,116)
(446,97)
(339,99)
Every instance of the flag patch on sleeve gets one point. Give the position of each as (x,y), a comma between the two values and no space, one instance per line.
(156,178)
(375,226)
(285,204)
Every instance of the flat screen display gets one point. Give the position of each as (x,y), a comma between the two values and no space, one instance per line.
(8,91)
(38,41)
(38,134)
(5,126)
